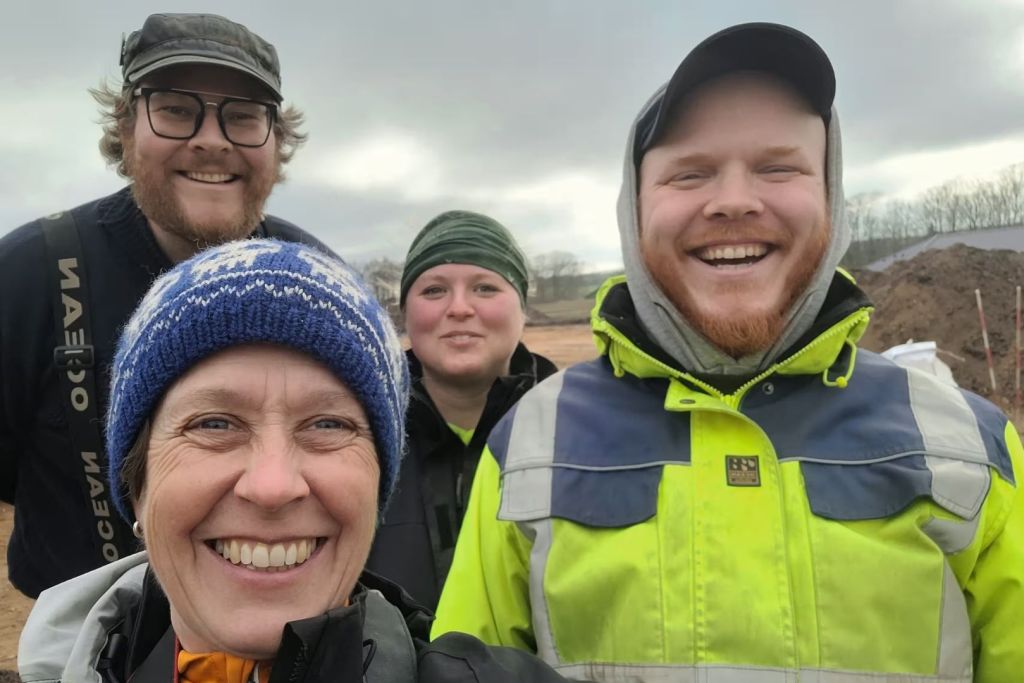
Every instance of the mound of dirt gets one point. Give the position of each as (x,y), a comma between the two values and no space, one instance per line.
(931,298)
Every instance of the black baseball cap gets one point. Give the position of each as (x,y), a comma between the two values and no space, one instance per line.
(773,48)
(168,39)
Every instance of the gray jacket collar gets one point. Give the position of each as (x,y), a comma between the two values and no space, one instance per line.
(68,625)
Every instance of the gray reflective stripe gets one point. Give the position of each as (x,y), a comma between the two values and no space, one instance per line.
(526,476)
(955,450)
(955,649)
(958,486)
(626,673)
(526,495)
(646,465)
(539,534)
(951,536)
(947,424)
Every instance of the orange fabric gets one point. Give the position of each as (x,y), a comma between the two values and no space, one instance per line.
(217,667)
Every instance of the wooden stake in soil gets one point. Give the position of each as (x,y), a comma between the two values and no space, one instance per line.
(984,337)
(1016,399)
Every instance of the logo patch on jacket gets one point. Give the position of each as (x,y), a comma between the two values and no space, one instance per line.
(742,470)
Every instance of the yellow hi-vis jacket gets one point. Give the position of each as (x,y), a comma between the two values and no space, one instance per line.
(837,519)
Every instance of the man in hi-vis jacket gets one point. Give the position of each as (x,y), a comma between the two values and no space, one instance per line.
(734,491)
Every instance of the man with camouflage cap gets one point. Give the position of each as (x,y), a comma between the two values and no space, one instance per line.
(197,128)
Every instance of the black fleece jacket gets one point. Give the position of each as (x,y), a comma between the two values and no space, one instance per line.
(416,539)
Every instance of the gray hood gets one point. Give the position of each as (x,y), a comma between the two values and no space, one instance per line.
(662,321)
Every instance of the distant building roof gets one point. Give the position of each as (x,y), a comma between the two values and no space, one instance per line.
(1007,237)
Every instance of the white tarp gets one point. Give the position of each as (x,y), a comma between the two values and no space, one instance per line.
(923,356)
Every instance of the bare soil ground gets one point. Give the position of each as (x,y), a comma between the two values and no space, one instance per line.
(14,606)
(931,298)
(562,344)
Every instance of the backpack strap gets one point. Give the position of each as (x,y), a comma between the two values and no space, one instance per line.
(394,655)
(74,358)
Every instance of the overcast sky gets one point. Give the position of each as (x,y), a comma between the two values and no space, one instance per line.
(516,109)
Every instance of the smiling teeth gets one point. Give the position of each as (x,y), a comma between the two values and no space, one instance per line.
(737,251)
(209,177)
(261,556)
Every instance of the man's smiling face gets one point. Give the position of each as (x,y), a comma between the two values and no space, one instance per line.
(733,212)
(204,190)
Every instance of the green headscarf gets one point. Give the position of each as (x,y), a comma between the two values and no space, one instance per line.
(465,237)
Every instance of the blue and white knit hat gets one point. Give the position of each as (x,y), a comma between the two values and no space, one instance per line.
(258,291)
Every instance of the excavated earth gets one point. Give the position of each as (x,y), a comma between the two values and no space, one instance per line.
(931,298)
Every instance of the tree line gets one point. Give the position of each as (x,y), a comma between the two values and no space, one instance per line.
(880,225)
(554,276)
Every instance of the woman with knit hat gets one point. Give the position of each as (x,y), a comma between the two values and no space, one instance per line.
(463,296)
(254,434)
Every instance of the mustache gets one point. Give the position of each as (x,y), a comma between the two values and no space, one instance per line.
(739,231)
(205,161)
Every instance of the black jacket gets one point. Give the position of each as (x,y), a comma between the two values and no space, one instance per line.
(415,542)
(340,645)
(54,525)
(113,625)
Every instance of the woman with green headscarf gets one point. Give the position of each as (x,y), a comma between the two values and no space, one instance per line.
(463,295)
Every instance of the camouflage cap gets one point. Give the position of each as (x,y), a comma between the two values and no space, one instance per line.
(169,39)
(465,237)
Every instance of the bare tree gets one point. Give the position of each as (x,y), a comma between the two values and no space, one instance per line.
(879,227)
(384,278)
(861,215)
(975,209)
(942,207)
(991,204)
(905,219)
(556,274)
(1009,193)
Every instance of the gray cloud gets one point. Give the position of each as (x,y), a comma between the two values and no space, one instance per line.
(503,107)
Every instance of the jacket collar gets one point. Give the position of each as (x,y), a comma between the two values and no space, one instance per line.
(522,363)
(67,630)
(830,340)
(525,369)
(117,618)
(374,630)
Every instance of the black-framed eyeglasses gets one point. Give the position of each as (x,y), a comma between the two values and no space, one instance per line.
(178,115)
